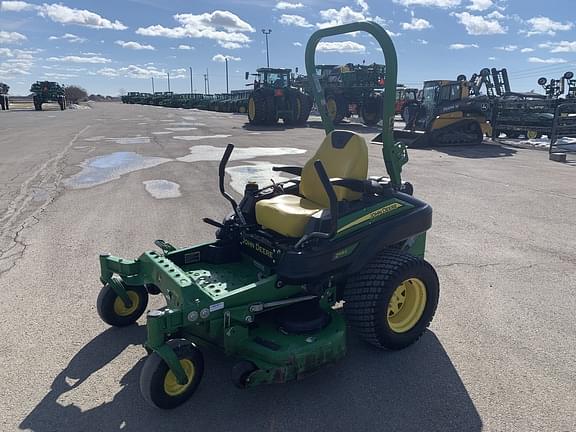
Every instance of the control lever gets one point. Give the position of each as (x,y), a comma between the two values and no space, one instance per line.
(222,176)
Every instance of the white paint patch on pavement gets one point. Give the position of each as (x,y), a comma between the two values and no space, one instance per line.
(102,169)
(161,189)
(162,133)
(189,118)
(199,137)
(258,172)
(131,140)
(180,129)
(95,138)
(211,153)
(183,124)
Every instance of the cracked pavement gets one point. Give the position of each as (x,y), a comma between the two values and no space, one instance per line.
(499,355)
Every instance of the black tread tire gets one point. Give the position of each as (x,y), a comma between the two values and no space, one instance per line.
(2,102)
(260,108)
(105,306)
(7,103)
(155,369)
(307,103)
(405,113)
(368,293)
(371,110)
(341,107)
(271,112)
(240,373)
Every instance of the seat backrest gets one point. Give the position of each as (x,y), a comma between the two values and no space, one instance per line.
(344,154)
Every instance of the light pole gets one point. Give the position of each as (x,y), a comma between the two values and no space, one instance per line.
(152,84)
(266,33)
(226,59)
(191,81)
(168,73)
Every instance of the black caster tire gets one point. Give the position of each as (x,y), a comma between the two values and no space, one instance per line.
(392,300)
(159,385)
(114,312)
(241,372)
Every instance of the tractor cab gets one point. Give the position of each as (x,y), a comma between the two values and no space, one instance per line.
(272,78)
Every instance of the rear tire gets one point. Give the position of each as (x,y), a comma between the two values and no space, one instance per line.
(257,108)
(391,302)
(337,107)
(371,110)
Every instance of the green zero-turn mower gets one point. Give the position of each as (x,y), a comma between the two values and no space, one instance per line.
(268,291)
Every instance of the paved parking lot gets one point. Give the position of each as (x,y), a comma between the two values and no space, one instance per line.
(499,355)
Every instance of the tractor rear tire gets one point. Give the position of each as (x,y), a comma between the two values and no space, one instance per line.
(7,103)
(391,302)
(158,384)
(257,108)
(337,107)
(306,101)
(114,312)
(2,102)
(371,110)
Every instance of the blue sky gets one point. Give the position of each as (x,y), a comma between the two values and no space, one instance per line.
(106,46)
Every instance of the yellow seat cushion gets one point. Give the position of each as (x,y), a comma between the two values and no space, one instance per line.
(286,214)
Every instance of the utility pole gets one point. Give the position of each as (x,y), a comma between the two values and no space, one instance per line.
(208,80)
(205,81)
(191,80)
(168,73)
(226,58)
(152,84)
(266,33)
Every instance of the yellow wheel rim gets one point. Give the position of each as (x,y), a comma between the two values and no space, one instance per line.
(242,110)
(251,109)
(120,308)
(406,305)
(171,385)
(531,134)
(332,108)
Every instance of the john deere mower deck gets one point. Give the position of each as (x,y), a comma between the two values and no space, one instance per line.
(265,291)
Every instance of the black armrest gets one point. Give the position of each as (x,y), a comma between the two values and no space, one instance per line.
(362,186)
(295,170)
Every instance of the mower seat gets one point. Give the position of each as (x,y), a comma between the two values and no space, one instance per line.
(344,154)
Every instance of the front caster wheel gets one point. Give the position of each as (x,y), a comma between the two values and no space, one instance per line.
(112,309)
(159,385)
(241,372)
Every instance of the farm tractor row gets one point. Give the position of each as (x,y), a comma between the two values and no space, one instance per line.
(42,92)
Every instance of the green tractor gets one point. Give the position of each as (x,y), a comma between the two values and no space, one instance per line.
(48,91)
(274,97)
(351,89)
(268,290)
(4,99)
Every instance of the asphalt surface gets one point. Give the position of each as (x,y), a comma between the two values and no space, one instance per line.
(499,355)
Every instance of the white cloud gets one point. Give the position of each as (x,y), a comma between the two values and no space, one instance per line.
(231,45)
(562,46)
(344,15)
(222,26)
(79,59)
(492,58)
(341,47)
(287,5)
(298,44)
(222,58)
(459,46)
(185,47)
(72,38)
(553,60)
(134,45)
(478,25)
(495,15)
(429,3)
(17,63)
(141,72)
(417,24)
(508,48)
(422,41)
(525,50)
(480,5)
(16,6)
(362,5)
(65,15)
(7,37)
(295,20)
(544,25)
